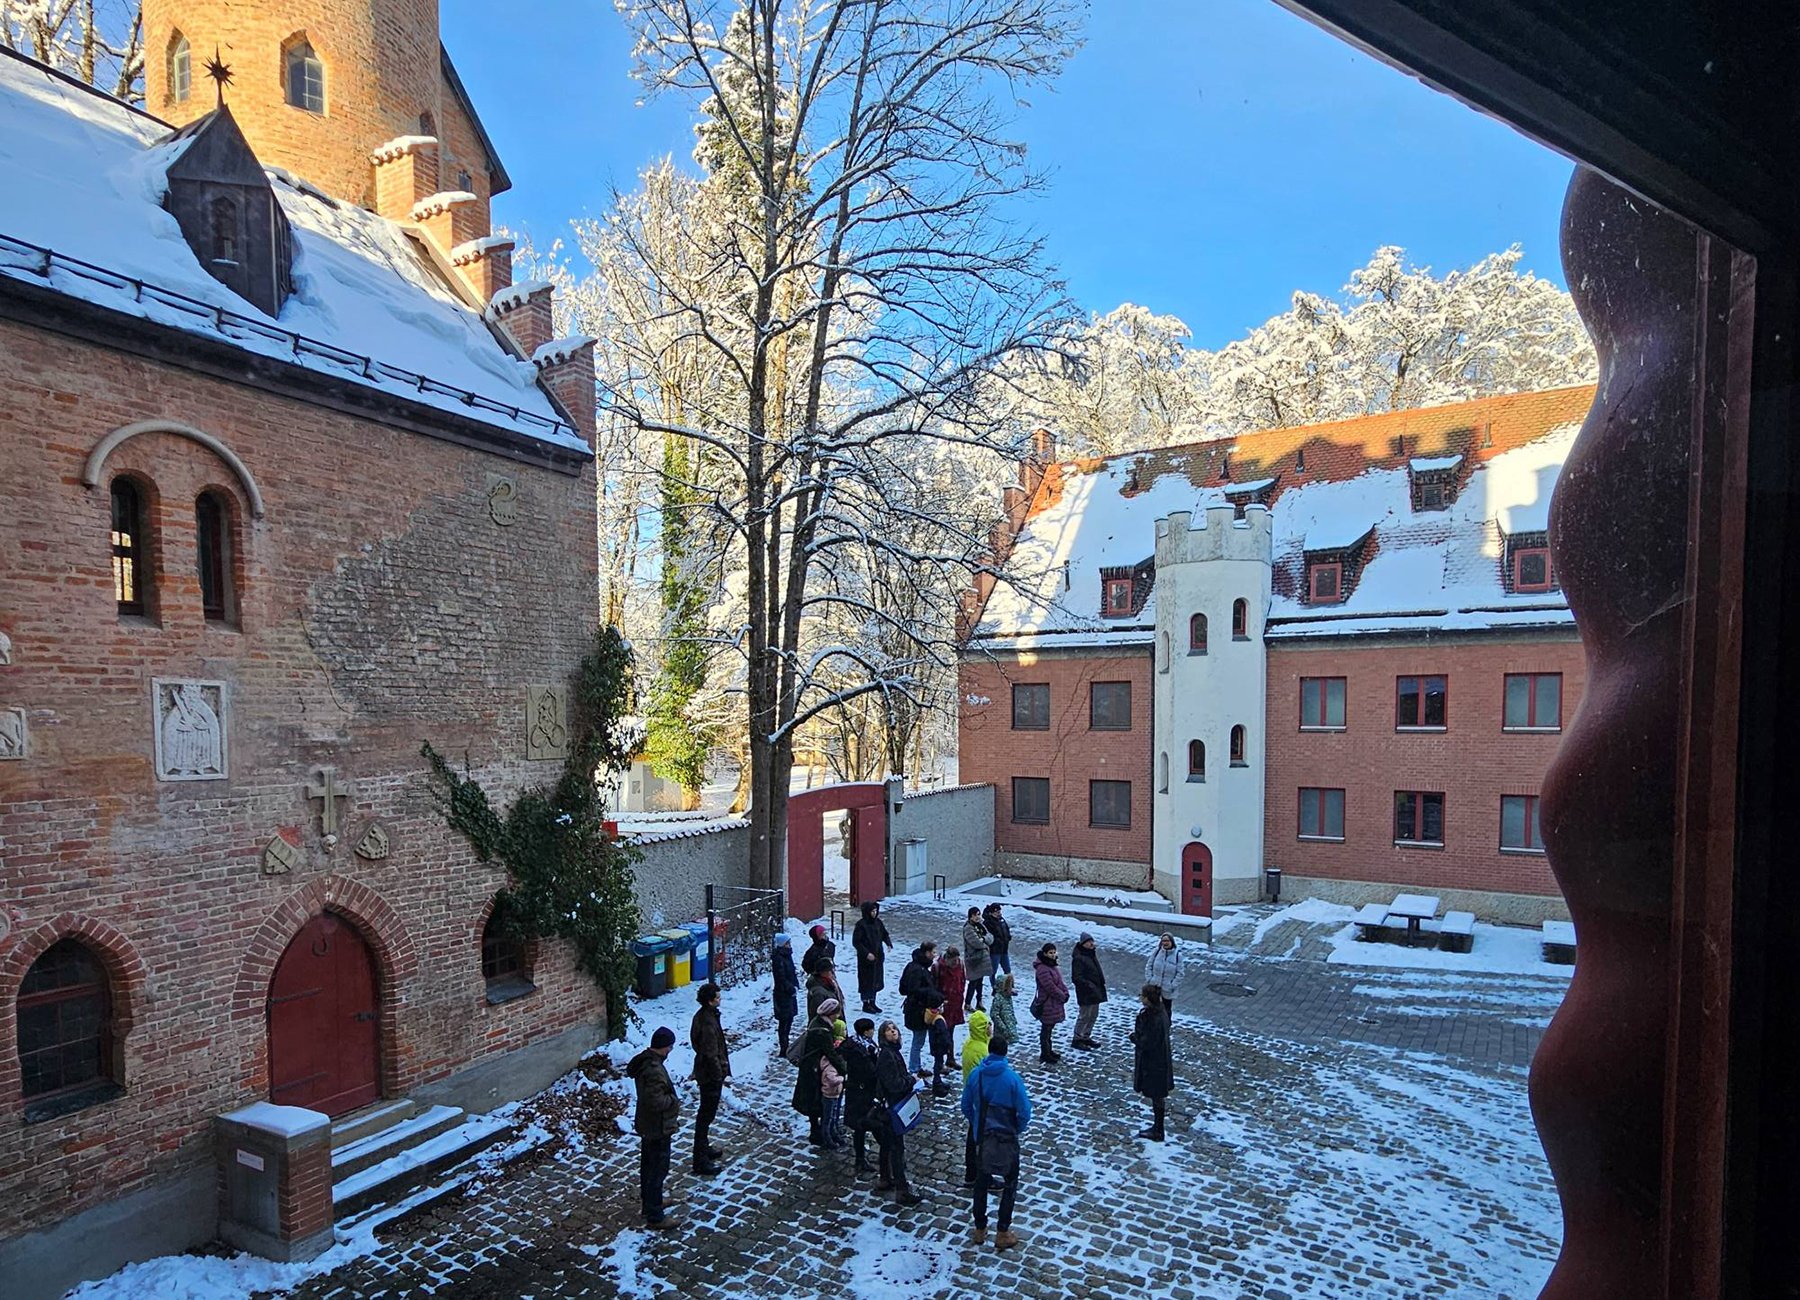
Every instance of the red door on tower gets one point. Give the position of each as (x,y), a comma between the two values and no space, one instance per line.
(1196,880)
(324,1025)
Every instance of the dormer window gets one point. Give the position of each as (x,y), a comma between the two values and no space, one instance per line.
(1118,598)
(224,231)
(1325,583)
(1434,480)
(229,216)
(1531,569)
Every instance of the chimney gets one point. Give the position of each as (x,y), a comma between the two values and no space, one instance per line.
(523,311)
(566,372)
(485,265)
(1041,452)
(450,217)
(406,171)
(1015,503)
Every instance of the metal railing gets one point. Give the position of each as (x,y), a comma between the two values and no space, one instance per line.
(741,925)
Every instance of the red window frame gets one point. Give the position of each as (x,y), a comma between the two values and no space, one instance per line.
(1420,692)
(1534,830)
(1197,634)
(1117,601)
(1237,745)
(1532,722)
(1409,826)
(1314,572)
(1240,619)
(1196,770)
(1322,720)
(1319,830)
(1532,552)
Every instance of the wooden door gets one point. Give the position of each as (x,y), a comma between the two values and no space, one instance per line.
(868,862)
(324,1026)
(1196,880)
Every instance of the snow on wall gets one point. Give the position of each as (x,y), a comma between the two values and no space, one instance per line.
(85,177)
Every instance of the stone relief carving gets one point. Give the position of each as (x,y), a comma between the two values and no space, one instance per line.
(328,790)
(5,649)
(546,722)
(12,733)
(374,844)
(191,727)
(503,501)
(279,856)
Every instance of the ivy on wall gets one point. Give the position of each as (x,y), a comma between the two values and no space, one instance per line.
(567,877)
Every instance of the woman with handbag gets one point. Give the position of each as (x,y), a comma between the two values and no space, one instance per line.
(893,1092)
(1047,1006)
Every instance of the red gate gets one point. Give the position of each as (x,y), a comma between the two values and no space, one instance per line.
(324,1025)
(1196,880)
(806,845)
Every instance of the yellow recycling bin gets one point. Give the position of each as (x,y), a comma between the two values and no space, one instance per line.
(680,957)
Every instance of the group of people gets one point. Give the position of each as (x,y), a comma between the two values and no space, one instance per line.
(854,1081)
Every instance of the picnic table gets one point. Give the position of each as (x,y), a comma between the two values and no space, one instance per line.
(1415,908)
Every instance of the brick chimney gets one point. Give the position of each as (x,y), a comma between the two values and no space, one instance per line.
(485,265)
(566,372)
(406,171)
(450,217)
(523,311)
(1038,458)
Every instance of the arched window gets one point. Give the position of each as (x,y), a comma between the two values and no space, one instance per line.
(1237,745)
(181,69)
(65,1027)
(428,124)
(1162,652)
(212,547)
(505,955)
(1240,619)
(130,548)
(1162,775)
(1197,759)
(224,230)
(1197,635)
(305,76)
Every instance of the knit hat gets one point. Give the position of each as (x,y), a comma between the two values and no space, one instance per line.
(830,1007)
(817,932)
(781,941)
(663,1037)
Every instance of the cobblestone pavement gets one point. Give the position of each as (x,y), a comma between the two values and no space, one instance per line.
(1335,1133)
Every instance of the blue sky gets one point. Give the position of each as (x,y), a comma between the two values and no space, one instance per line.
(1205,157)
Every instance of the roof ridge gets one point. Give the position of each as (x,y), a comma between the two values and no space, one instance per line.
(88,87)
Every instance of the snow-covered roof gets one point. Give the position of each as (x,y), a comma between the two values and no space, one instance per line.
(1439,569)
(85,178)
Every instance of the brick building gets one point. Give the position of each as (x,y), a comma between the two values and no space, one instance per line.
(289,486)
(1338,650)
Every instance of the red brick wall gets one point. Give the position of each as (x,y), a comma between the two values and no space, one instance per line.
(1473,762)
(1070,754)
(382,606)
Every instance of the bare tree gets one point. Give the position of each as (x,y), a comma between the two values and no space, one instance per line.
(100,41)
(864,287)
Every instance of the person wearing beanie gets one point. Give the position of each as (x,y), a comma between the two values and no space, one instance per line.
(871,941)
(815,1048)
(712,1067)
(859,1090)
(998,1110)
(658,1116)
(787,989)
(1047,1007)
(1090,991)
(943,1042)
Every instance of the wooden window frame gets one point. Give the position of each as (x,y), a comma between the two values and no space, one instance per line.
(104,1085)
(134,551)
(1317,569)
(1013,812)
(1323,721)
(312,69)
(1093,790)
(1111,606)
(180,68)
(215,557)
(1420,694)
(1197,644)
(1534,830)
(1240,619)
(1093,710)
(1518,562)
(1196,774)
(1532,726)
(1030,686)
(1239,745)
(1419,798)
(1319,832)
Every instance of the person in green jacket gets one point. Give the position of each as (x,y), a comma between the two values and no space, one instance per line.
(974,1052)
(1006,1021)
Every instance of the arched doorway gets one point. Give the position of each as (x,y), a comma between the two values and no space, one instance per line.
(1196,880)
(866,846)
(324,1021)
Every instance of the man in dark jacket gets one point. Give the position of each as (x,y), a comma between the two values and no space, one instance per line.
(1090,990)
(999,938)
(860,1090)
(712,1067)
(658,1116)
(787,989)
(917,985)
(1153,1063)
(869,939)
(819,965)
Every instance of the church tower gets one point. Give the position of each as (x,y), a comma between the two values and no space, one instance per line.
(319,87)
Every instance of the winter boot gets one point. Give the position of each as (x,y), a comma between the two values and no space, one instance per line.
(1004,1240)
(707,1168)
(978,1234)
(908,1197)
(884,1185)
(1152,1134)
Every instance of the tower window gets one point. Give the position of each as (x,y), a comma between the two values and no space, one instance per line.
(305,77)
(464,181)
(1237,746)
(212,538)
(1196,760)
(1240,620)
(1197,635)
(131,571)
(224,215)
(181,69)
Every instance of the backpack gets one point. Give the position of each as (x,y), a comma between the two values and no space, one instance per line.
(796,1052)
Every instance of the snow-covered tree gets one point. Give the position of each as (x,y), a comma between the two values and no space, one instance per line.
(863,287)
(100,41)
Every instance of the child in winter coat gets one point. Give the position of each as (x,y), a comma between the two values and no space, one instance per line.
(1006,1017)
(831,1089)
(943,1045)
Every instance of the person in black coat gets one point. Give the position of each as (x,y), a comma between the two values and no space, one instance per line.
(1153,1061)
(893,1085)
(860,1090)
(808,1100)
(820,968)
(1090,990)
(712,1067)
(870,938)
(999,938)
(787,989)
(917,986)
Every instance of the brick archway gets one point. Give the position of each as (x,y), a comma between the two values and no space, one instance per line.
(380,926)
(126,973)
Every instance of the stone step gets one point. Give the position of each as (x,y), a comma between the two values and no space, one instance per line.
(408,1167)
(386,1143)
(359,1124)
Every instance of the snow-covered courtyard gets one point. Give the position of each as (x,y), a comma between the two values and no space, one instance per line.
(1343,1125)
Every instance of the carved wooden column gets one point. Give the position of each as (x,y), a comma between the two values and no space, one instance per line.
(1618,533)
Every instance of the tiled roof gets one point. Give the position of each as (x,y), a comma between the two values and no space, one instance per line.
(1336,480)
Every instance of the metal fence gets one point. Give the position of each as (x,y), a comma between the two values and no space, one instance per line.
(741,928)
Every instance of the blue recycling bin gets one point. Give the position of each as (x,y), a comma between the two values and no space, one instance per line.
(652,953)
(702,960)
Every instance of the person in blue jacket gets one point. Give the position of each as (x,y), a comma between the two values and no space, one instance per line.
(787,989)
(998,1111)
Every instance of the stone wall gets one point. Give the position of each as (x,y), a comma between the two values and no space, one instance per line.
(677,866)
(956,824)
(1086,871)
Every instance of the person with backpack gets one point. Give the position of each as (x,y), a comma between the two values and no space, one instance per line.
(859,1091)
(1047,1006)
(870,939)
(1153,1061)
(712,1067)
(787,989)
(893,1085)
(917,984)
(999,1111)
(1090,991)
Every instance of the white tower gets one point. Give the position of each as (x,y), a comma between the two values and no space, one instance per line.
(1211,682)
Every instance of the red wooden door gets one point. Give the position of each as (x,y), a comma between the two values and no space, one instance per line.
(868,864)
(1196,880)
(324,1029)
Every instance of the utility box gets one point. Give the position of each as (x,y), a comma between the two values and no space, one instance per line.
(911,871)
(275,1180)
